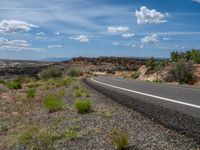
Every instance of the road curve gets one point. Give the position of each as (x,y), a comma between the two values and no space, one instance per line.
(176,107)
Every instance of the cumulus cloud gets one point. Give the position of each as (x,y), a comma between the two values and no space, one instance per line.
(13,26)
(115,43)
(145,15)
(151,39)
(57,33)
(128,35)
(133,45)
(166,39)
(81,38)
(198,1)
(119,29)
(40,34)
(55,46)
(16,45)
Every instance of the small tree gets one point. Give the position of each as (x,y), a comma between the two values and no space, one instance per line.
(182,72)
(151,64)
(73,72)
(51,72)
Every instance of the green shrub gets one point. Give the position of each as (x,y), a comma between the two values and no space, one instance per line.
(30,93)
(63,82)
(70,134)
(23,79)
(2,82)
(53,103)
(120,139)
(182,72)
(73,72)
(51,72)
(14,85)
(33,137)
(79,92)
(151,64)
(83,106)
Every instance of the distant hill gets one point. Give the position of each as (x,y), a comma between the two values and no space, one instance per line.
(55,59)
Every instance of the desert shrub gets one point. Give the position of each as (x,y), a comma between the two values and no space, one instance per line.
(110,71)
(14,85)
(63,82)
(70,134)
(33,137)
(74,72)
(51,72)
(22,79)
(83,106)
(181,72)
(30,93)
(120,139)
(2,82)
(135,75)
(79,92)
(53,103)
(151,64)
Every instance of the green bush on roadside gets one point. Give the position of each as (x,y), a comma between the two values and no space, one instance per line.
(73,72)
(30,93)
(2,82)
(14,85)
(181,72)
(53,103)
(120,139)
(83,106)
(51,72)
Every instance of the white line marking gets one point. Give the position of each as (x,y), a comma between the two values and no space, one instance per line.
(150,95)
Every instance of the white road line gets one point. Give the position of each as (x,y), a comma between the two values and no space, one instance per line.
(149,95)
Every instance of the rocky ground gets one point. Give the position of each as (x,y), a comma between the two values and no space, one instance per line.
(26,124)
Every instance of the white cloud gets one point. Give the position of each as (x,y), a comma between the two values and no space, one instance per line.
(57,33)
(115,43)
(145,15)
(119,29)
(128,35)
(151,39)
(198,1)
(133,45)
(81,38)
(166,39)
(13,26)
(40,34)
(141,46)
(55,46)
(16,45)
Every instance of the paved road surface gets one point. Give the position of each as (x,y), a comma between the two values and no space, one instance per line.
(177,107)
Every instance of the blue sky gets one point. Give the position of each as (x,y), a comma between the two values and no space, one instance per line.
(70,28)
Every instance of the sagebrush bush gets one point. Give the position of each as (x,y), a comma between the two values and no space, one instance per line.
(14,85)
(51,72)
(33,137)
(30,93)
(83,106)
(2,82)
(80,91)
(120,139)
(53,103)
(182,72)
(74,72)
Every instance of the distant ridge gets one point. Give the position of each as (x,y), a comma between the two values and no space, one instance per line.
(55,59)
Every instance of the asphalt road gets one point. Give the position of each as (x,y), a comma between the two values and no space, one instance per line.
(177,107)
